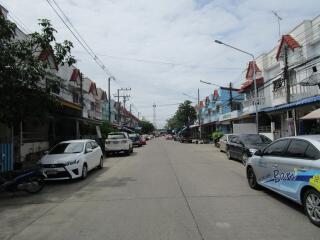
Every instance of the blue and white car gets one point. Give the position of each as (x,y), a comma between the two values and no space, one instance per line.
(291,167)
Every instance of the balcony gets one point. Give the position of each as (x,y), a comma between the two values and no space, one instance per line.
(248,105)
(94,115)
(230,115)
(297,92)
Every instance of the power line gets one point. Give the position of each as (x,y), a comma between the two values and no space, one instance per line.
(79,38)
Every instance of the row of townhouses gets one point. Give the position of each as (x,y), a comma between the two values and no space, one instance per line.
(288,88)
(83,109)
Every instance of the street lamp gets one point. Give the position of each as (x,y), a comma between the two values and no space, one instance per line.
(254,78)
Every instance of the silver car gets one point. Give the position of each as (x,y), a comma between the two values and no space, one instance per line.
(223,141)
(291,167)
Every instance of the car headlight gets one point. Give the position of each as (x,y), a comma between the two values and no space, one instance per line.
(253,150)
(71,162)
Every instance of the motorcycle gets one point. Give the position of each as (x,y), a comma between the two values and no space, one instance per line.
(30,181)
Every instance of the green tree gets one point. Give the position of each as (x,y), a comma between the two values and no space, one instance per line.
(186,114)
(26,79)
(146,127)
(106,128)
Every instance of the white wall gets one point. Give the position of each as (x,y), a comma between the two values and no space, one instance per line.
(239,128)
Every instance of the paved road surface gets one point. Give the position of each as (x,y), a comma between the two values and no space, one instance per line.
(165,190)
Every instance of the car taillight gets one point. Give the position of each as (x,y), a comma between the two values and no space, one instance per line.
(123,141)
(108,142)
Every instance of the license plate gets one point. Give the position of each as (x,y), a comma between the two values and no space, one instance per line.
(51,172)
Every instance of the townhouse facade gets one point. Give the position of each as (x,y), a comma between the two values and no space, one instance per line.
(82,109)
(288,87)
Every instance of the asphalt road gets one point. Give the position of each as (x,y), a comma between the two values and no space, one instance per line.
(165,190)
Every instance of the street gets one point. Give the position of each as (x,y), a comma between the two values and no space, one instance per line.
(165,190)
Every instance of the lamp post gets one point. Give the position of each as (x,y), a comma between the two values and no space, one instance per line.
(254,79)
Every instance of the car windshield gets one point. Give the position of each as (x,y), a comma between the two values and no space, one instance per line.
(67,148)
(255,139)
(116,136)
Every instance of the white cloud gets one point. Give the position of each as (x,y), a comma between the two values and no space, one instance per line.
(179,31)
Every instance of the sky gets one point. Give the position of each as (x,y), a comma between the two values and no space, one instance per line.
(162,49)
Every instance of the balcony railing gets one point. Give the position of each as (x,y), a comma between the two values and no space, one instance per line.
(94,115)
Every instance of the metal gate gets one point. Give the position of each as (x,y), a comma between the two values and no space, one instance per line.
(6,157)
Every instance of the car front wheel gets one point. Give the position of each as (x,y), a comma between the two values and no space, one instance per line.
(252,180)
(84,171)
(101,163)
(229,155)
(244,159)
(311,204)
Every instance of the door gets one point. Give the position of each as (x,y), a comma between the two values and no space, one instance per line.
(267,166)
(295,168)
(89,155)
(97,153)
(236,147)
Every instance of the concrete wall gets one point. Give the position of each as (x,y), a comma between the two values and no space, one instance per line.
(33,147)
(239,128)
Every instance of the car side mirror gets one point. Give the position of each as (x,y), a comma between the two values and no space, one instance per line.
(89,150)
(258,153)
(46,152)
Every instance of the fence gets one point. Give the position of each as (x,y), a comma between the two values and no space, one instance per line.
(6,157)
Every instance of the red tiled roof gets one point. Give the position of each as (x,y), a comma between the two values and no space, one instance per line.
(75,75)
(93,88)
(216,93)
(249,77)
(249,74)
(247,84)
(44,55)
(289,41)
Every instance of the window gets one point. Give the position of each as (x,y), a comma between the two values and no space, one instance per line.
(88,146)
(312,153)
(224,138)
(314,69)
(297,148)
(67,148)
(94,144)
(235,139)
(277,148)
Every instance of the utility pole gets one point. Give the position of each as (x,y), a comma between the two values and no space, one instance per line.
(230,97)
(199,116)
(109,101)
(286,73)
(154,116)
(125,98)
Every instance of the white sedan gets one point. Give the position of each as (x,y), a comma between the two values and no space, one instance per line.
(72,159)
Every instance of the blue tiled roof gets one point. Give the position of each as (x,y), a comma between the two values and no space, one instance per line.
(304,101)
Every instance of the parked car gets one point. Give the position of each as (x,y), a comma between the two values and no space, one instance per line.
(223,141)
(136,139)
(169,137)
(72,159)
(291,167)
(143,139)
(118,142)
(242,146)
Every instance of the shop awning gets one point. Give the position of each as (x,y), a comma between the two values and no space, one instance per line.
(313,115)
(301,102)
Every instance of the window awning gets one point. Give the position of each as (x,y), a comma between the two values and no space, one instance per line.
(313,115)
(301,102)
